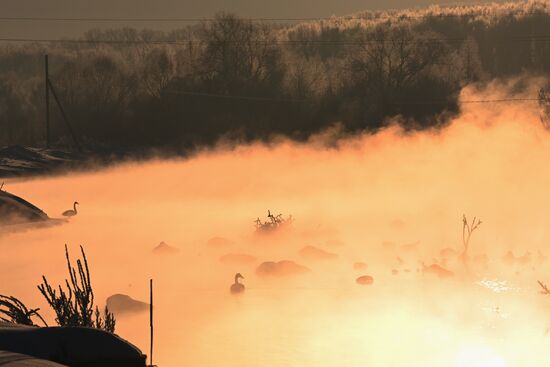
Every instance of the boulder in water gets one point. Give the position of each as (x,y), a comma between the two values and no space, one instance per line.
(438,270)
(364,280)
(165,249)
(122,303)
(280,268)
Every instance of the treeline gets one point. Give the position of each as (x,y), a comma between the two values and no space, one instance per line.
(241,79)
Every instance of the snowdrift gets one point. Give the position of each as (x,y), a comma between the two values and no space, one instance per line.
(17,160)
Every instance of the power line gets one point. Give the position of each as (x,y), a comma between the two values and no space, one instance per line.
(84,41)
(231,96)
(170,20)
(541,38)
(371,17)
(501,100)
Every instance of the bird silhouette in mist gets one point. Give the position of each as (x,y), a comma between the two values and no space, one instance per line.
(237,287)
(71,212)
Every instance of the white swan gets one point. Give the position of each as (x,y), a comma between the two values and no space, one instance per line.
(71,213)
(237,287)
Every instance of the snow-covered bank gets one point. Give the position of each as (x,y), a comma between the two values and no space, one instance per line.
(17,160)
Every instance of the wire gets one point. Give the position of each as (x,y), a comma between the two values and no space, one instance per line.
(502,100)
(69,40)
(469,101)
(40,19)
(297,42)
(370,17)
(229,96)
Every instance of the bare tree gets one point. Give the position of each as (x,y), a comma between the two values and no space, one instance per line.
(471,67)
(239,53)
(158,71)
(467,230)
(388,60)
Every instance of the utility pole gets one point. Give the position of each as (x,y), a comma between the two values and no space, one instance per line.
(47,82)
(50,88)
(69,127)
(151,320)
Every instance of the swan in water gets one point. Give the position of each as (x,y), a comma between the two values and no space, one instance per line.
(237,287)
(71,213)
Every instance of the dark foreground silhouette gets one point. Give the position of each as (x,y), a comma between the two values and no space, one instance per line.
(14,210)
(10,359)
(71,346)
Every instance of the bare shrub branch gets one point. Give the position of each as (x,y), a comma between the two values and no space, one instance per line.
(16,311)
(545,289)
(75,305)
(467,230)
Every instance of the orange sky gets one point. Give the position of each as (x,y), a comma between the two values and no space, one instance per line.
(172,9)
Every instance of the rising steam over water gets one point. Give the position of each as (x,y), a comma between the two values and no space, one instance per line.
(365,198)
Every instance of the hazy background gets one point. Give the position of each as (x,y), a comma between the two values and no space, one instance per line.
(369,198)
(172,9)
(228,78)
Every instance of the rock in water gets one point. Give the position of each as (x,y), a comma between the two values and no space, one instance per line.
(14,210)
(281,268)
(165,249)
(364,280)
(438,270)
(122,303)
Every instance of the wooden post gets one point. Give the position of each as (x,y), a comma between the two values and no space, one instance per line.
(75,139)
(151,319)
(46,82)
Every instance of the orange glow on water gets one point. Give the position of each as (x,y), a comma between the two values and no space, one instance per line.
(390,200)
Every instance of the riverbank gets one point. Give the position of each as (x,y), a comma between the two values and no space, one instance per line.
(19,161)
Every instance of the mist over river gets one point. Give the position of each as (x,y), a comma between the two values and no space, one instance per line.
(391,200)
